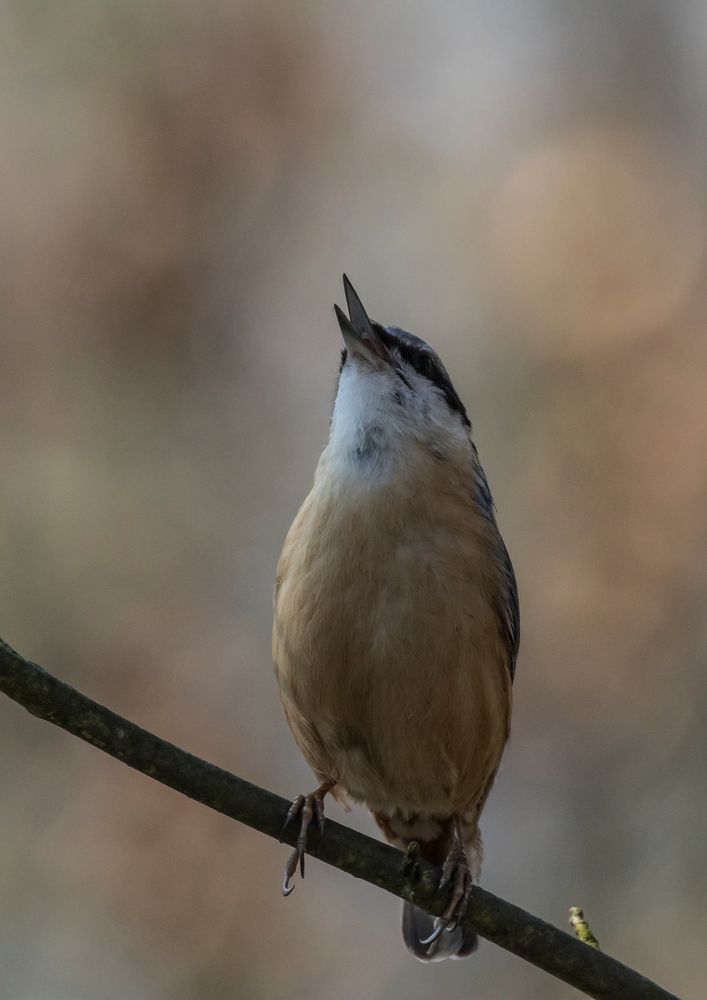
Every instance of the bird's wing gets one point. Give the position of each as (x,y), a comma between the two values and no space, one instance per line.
(507,595)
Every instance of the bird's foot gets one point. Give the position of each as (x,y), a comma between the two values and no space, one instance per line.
(309,807)
(456,875)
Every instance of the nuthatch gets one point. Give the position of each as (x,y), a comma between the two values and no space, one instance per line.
(396,619)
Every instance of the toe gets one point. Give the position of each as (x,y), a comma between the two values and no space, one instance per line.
(297,804)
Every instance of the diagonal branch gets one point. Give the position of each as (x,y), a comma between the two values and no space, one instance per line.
(585,968)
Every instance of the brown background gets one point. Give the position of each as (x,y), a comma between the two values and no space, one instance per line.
(181,185)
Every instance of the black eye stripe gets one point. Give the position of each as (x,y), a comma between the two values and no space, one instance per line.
(426,364)
(422,358)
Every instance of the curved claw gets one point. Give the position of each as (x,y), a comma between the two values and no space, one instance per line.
(290,869)
(440,928)
(308,807)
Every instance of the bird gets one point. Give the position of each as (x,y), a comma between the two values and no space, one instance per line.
(396,621)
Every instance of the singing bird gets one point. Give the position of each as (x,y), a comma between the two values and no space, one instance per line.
(396,620)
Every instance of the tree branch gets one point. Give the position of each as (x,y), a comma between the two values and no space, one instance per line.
(585,968)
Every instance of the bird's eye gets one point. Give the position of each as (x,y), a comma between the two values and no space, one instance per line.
(426,366)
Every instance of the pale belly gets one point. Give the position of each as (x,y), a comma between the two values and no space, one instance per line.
(391,668)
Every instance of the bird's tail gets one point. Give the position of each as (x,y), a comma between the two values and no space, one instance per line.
(434,841)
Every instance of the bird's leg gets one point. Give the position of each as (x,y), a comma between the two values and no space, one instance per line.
(456,874)
(310,806)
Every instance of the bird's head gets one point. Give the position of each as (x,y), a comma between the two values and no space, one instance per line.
(394,397)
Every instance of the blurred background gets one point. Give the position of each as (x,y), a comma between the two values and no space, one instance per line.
(524,184)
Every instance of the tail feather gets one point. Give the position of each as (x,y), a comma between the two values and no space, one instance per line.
(418,925)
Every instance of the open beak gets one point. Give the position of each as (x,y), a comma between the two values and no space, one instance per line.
(360,336)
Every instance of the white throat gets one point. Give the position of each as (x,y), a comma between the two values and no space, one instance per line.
(382,428)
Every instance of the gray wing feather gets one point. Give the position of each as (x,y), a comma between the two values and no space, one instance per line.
(507,598)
